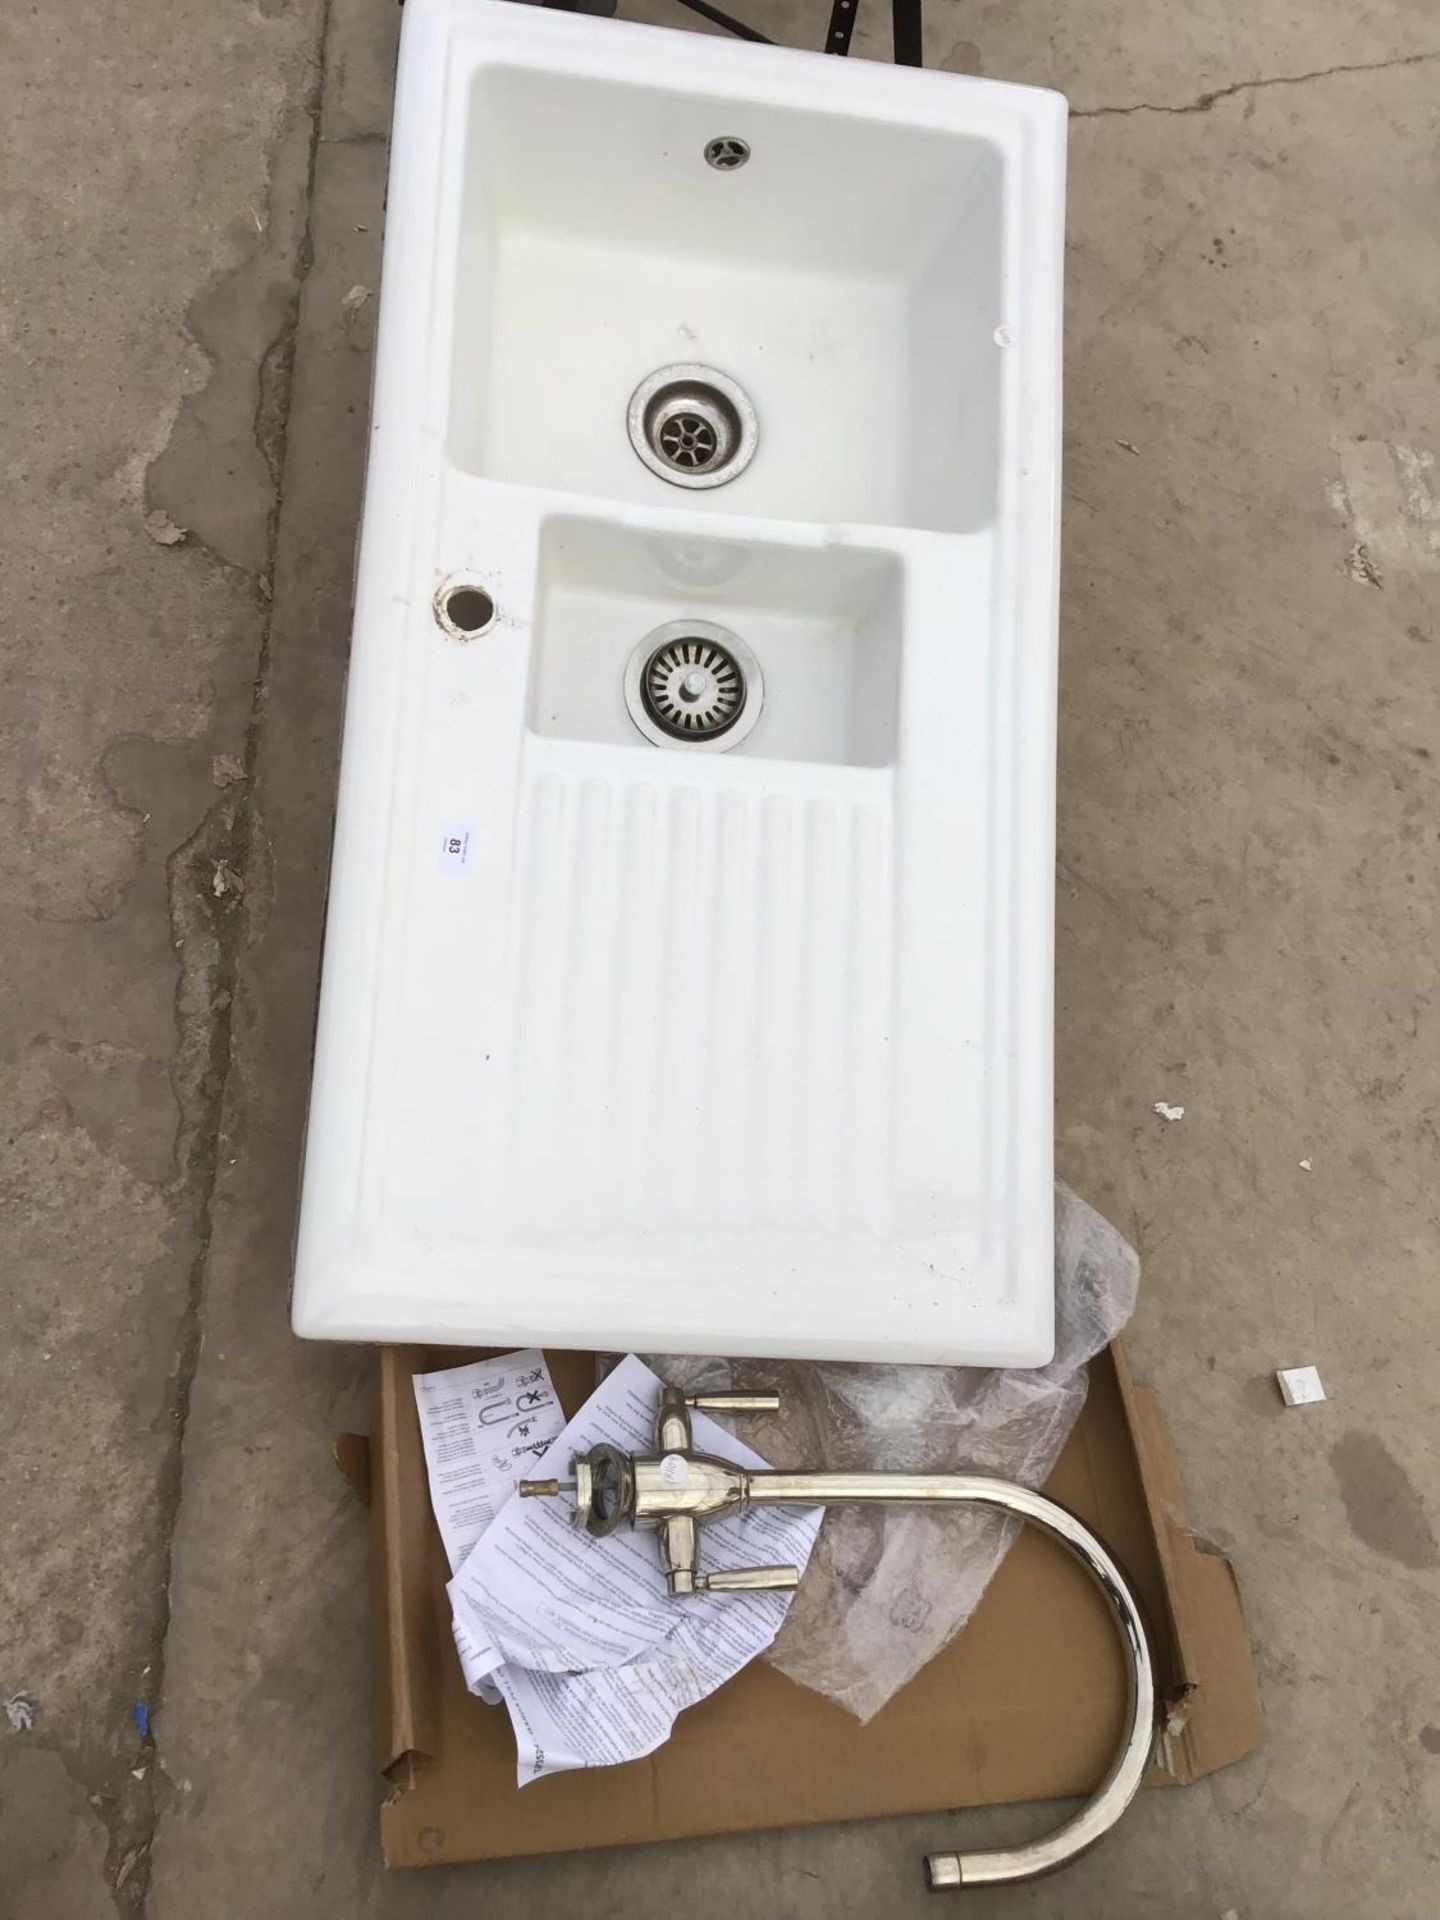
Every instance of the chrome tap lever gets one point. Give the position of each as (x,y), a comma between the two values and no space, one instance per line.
(748,1580)
(734,1402)
(673,1433)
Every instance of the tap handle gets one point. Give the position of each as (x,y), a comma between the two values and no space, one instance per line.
(748,1580)
(734,1402)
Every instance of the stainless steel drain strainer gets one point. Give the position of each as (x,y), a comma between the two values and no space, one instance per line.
(694,684)
(693,425)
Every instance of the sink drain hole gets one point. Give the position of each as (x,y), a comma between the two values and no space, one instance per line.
(693,425)
(694,683)
(689,440)
(727,152)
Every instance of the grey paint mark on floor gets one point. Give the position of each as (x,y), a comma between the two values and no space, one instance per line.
(1382,1501)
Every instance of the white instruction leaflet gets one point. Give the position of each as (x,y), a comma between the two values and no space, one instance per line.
(597,1719)
(591,1653)
(484,1427)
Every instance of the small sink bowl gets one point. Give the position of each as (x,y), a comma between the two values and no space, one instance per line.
(689,960)
(824,620)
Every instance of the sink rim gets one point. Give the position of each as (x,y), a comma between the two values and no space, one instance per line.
(423,518)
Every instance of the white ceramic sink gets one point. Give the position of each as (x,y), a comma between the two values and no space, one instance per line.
(698,1000)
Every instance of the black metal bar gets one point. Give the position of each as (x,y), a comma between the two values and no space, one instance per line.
(842,25)
(906,27)
(728,21)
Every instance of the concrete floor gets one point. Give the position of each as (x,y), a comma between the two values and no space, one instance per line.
(1247,904)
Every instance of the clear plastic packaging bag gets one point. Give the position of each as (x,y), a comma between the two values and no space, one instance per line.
(888,1587)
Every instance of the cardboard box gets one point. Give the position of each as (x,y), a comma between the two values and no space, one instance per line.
(1024,1704)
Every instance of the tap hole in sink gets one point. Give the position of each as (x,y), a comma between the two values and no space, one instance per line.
(465,610)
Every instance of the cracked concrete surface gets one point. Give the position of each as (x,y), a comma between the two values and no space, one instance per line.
(151,232)
(1207,100)
(1247,898)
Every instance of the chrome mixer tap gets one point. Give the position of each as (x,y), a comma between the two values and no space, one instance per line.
(676,1490)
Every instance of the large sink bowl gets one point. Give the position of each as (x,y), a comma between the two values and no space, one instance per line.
(847,275)
(688,970)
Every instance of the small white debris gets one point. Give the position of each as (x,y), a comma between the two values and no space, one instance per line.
(1306,1166)
(129,1860)
(226,770)
(1128,445)
(358,315)
(1167,1112)
(162,529)
(1231,1913)
(22,1710)
(1300,1386)
(226,880)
